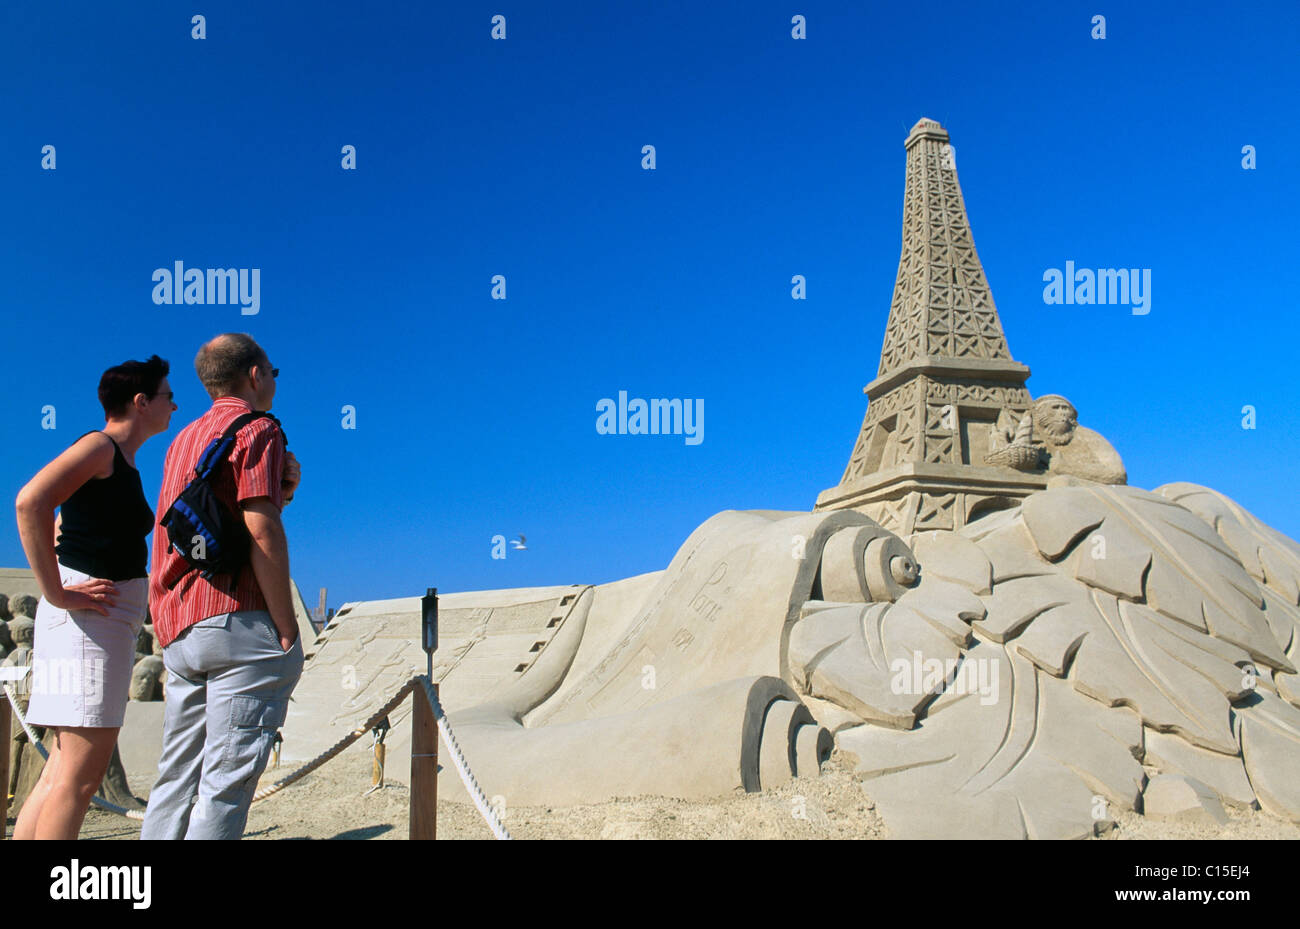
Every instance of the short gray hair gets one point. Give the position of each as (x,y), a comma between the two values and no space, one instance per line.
(222,361)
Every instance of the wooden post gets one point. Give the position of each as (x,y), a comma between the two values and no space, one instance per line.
(424,767)
(6,740)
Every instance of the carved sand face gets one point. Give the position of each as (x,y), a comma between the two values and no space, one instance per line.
(1057,418)
(23,632)
(143,682)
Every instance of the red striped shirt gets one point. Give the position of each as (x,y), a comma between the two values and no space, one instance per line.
(256,466)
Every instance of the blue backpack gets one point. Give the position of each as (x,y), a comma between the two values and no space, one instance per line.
(210,538)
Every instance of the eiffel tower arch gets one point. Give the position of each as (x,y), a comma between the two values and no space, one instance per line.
(945,376)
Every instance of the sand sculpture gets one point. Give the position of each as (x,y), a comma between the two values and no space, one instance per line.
(23,605)
(148,675)
(6,640)
(20,656)
(147,679)
(1003,637)
(23,630)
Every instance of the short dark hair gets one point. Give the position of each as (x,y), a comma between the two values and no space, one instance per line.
(121,383)
(225,359)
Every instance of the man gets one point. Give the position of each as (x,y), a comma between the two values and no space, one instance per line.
(1075,449)
(1050,439)
(230,644)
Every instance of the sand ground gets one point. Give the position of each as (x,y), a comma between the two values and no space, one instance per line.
(328,804)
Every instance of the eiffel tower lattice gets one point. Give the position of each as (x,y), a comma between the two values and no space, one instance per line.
(945,372)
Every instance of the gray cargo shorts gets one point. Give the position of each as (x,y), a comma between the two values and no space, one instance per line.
(228,688)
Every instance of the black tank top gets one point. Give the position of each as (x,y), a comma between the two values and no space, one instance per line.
(105,524)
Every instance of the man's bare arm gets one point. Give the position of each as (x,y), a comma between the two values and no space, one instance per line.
(269,556)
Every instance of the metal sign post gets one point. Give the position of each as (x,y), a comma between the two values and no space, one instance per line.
(424,732)
(429,625)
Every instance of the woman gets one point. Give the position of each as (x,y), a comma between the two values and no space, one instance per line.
(95,593)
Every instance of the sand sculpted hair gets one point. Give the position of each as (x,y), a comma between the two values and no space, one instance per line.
(223,361)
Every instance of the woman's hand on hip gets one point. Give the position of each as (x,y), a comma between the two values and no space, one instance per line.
(95,594)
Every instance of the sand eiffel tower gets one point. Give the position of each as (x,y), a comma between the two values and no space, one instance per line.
(945,374)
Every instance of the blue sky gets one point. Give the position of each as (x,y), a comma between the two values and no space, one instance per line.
(522,157)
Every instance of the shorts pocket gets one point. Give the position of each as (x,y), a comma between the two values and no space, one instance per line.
(57,616)
(253,724)
(49,616)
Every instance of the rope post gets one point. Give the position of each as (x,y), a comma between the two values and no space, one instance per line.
(377,771)
(424,767)
(6,739)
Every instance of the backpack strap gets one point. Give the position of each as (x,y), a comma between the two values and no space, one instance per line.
(220,449)
(217,452)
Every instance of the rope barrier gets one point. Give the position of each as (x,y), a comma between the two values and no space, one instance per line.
(444,727)
(341,744)
(466,776)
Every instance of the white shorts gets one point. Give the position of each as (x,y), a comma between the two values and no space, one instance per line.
(82,661)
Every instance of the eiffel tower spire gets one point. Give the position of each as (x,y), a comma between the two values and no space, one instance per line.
(945,375)
(942,312)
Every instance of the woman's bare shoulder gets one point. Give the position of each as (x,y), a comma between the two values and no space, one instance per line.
(91,456)
(92,449)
